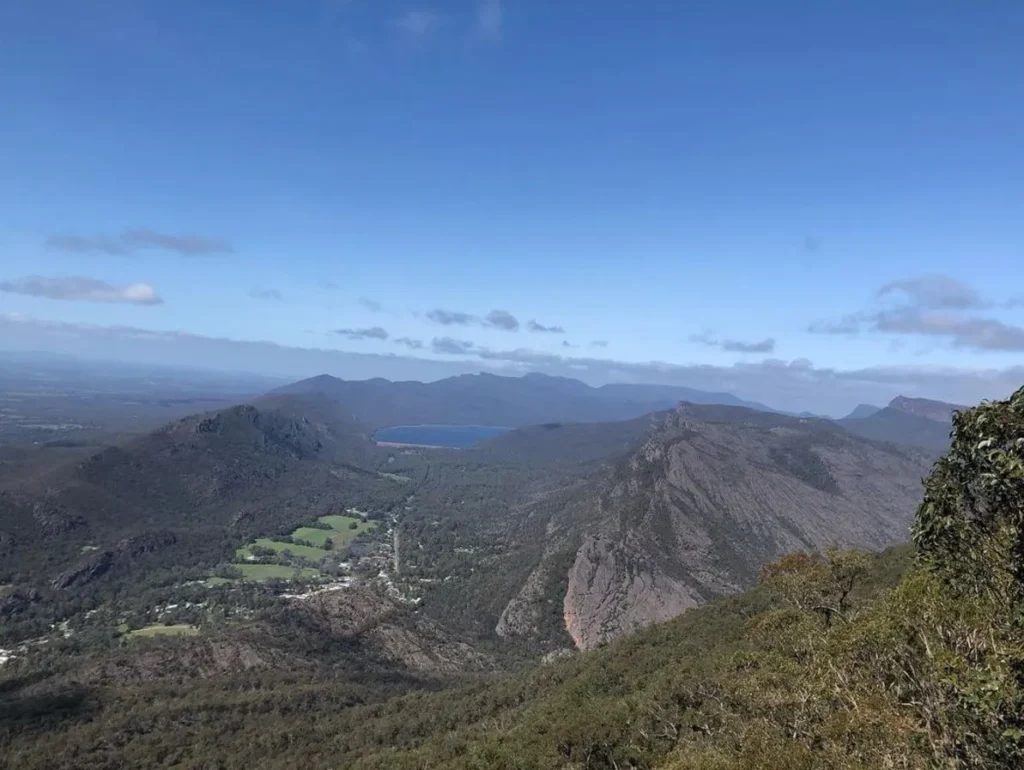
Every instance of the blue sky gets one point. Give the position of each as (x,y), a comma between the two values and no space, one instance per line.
(721,188)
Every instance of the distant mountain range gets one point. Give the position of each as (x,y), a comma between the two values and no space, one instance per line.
(488,399)
(917,422)
(534,399)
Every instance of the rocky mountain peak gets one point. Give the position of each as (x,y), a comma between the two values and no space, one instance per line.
(939,411)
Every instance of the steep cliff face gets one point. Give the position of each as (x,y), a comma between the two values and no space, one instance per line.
(715,493)
(615,587)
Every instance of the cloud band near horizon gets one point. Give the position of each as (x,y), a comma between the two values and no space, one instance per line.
(794,385)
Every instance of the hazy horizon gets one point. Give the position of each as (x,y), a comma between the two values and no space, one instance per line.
(367,367)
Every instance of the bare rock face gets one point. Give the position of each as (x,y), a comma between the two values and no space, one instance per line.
(521,616)
(55,519)
(714,494)
(614,589)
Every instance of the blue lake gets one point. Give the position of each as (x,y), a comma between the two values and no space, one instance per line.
(454,436)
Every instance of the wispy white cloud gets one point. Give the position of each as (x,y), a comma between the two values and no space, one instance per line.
(734,346)
(487,25)
(272,295)
(533,326)
(502,319)
(496,319)
(140,239)
(409,343)
(452,347)
(452,317)
(83,289)
(934,292)
(417,27)
(372,333)
(935,306)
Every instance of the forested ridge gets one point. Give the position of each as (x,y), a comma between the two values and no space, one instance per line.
(911,659)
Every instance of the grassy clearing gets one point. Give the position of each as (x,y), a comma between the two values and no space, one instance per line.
(274,572)
(160,630)
(341,528)
(339,521)
(341,533)
(314,535)
(218,581)
(305,551)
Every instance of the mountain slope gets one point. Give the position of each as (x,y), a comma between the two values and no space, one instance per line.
(714,493)
(916,422)
(861,411)
(940,411)
(566,444)
(670,395)
(487,399)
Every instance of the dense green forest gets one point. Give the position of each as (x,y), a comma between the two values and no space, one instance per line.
(911,659)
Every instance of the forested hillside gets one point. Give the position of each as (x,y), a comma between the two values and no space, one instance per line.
(183,493)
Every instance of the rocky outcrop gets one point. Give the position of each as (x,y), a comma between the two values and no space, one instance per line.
(127,550)
(55,519)
(146,544)
(94,567)
(17,600)
(521,616)
(388,631)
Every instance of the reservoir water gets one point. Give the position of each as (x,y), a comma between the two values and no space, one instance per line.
(453,436)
